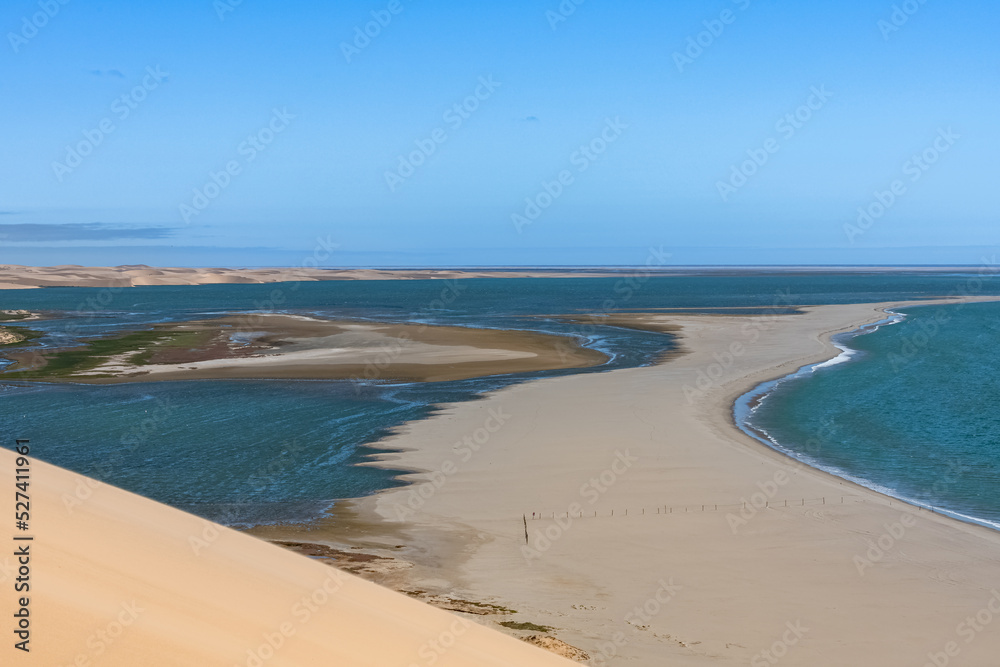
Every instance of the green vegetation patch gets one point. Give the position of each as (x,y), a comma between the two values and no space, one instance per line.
(495,608)
(143,344)
(513,625)
(171,339)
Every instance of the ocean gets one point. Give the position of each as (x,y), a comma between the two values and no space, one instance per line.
(256,452)
(909,409)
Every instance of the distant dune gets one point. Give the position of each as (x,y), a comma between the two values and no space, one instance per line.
(133,275)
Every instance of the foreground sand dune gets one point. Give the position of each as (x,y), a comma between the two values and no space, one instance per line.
(117,579)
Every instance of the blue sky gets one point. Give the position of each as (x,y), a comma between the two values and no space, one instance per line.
(580,137)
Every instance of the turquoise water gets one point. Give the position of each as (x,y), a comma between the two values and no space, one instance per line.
(910,409)
(252,452)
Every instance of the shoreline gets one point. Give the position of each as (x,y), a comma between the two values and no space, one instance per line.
(853,331)
(401,452)
(748,402)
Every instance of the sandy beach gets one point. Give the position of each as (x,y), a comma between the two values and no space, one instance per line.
(847,577)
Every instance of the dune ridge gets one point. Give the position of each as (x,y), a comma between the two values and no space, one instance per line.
(117,579)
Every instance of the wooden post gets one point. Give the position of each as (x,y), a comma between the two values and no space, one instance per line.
(525,518)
